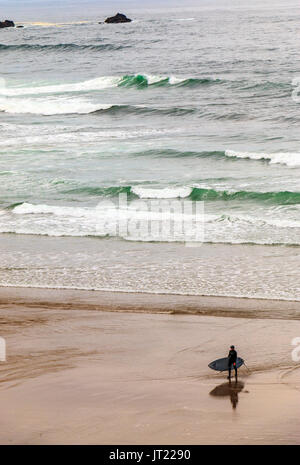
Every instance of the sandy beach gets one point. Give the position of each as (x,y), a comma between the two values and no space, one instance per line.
(112,368)
(149,219)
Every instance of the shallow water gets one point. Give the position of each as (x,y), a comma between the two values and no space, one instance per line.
(168,268)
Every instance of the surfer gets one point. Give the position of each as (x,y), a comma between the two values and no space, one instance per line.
(232,356)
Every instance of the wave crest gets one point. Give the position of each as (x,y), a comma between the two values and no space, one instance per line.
(291,159)
(103,82)
(49,106)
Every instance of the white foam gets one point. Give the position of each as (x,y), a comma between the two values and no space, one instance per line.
(184,19)
(291,159)
(28,208)
(154,79)
(106,219)
(256,221)
(106,209)
(164,193)
(132,221)
(49,106)
(99,83)
(46,140)
(173,80)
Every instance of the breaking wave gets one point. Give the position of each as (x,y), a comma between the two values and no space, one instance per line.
(103,82)
(139,81)
(291,159)
(109,220)
(49,106)
(64,106)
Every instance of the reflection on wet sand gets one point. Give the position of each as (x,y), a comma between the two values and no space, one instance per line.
(229,389)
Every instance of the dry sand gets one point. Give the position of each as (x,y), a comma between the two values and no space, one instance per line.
(105,368)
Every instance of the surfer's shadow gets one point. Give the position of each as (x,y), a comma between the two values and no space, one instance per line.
(230,389)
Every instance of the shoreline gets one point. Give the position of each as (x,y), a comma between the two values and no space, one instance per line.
(213,271)
(176,304)
(124,371)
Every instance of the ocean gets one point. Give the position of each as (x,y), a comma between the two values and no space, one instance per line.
(105,123)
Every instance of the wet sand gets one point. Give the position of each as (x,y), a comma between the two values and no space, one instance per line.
(105,368)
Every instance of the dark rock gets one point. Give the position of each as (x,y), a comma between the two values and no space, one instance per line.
(18,27)
(6,23)
(118,18)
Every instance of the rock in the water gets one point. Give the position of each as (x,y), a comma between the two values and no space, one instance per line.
(118,18)
(6,23)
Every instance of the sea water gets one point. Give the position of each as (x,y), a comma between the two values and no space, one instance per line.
(192,107)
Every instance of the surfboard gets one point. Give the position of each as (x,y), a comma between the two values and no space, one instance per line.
(222,364)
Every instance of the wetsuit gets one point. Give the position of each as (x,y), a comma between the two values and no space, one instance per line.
(232,356)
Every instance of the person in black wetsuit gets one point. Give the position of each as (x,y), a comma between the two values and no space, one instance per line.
(232,356)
